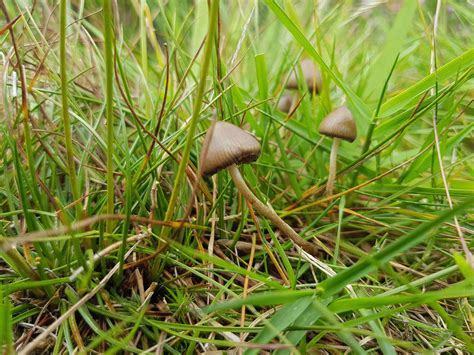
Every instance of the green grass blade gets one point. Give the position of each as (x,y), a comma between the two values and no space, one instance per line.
(65,109)
(109,106)
(460,290)
(394,42)
(6,325)
(281,320)
(448,71)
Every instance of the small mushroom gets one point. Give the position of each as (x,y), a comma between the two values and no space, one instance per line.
(285,103)
(339,124)
(311,75)
(227,145)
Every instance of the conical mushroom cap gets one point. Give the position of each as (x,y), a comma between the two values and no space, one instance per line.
(339,124)
(226,144)
(311,75)
(285,103)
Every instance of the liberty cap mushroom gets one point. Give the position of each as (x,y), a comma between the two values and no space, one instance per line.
(285,103)
(226,145)
(311,75)
(339,124)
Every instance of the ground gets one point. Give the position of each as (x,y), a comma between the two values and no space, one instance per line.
(111,241)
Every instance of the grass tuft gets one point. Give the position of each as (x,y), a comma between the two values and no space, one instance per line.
(111,241)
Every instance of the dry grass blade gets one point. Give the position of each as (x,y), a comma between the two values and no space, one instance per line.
(51,328)
(6,243)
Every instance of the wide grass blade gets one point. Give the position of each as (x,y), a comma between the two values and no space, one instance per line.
(448,71)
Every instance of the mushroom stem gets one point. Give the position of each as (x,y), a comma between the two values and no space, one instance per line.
(269,212)
(332,167)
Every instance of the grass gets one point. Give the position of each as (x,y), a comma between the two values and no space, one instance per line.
(109,241)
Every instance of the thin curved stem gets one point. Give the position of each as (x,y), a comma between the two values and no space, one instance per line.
(269,212)
(332,167)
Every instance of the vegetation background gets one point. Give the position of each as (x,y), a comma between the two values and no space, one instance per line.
(110,242)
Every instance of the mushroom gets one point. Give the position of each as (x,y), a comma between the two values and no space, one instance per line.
(227,145)
(285,103)
(311,75)
(339,124)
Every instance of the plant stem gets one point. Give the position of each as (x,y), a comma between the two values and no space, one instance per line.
(19,264)
(21,267)
(196,111)
(25,113)
(332,167)
(269,212)
(213,14)
(65,109)
(144,55)
(109,62)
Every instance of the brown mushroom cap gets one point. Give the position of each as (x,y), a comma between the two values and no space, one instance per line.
(311,75)
(285,103)
(226,144)
(339,124)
